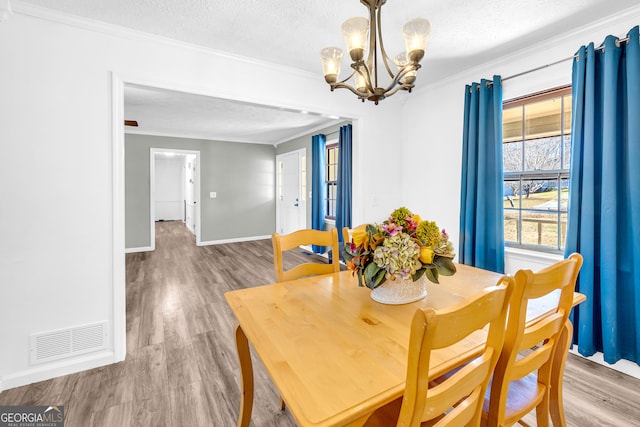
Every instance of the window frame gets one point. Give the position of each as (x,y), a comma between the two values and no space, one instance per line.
(560,176)
(330,145)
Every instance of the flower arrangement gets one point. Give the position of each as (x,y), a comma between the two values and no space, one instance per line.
(404,246)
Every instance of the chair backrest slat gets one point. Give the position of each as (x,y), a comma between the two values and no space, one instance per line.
(282,243)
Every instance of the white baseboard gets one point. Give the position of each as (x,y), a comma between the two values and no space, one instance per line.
(142,249)
(236,240)
(56,369)
(625,366)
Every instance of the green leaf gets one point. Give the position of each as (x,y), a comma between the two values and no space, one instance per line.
(445,266)
(370,270)
(419,274)
(371,229)
(432,274)
(360,278)
(379,278)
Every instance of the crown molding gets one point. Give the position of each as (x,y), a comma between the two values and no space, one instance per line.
(27,9)
(629,15)
(198,136)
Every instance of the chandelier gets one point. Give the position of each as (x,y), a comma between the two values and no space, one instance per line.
(357,32)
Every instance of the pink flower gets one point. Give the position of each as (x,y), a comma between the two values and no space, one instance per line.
(391,228)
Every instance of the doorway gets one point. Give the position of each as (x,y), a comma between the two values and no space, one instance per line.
(175,189)
(291,184)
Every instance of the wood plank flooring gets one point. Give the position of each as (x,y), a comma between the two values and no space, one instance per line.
(181,367)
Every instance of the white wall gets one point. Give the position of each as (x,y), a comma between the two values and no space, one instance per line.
(169,188)
(58,264)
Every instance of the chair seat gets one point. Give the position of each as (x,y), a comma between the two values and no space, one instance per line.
(523,394)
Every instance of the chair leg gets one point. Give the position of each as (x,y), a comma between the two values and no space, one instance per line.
(556,407)
(542,413)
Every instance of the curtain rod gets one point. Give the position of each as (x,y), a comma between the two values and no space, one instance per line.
(503,79)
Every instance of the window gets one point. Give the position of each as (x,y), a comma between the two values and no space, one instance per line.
(331,179)
(536,148)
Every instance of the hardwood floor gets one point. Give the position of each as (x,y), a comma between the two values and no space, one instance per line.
(181,367)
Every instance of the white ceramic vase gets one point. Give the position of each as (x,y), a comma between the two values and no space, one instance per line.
(400,291)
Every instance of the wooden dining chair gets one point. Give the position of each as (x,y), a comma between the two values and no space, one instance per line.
(457,399)
(282,243)
(522,378)
(346,235)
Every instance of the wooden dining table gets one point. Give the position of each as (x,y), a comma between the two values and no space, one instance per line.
(336,355)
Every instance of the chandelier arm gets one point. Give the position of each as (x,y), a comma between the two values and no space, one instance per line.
(385,57)
(398,88)
(350,75)
(401,73)
(342,85)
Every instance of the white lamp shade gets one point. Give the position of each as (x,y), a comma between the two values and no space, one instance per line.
(331,58)
(416,36)
(356,36)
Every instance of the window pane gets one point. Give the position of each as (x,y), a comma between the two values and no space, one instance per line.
(512,124)
(564,195)
(511,226)
(540,194)
(512,156)
(511,190)
(540,229)
(563,229)
(543,118)
(543,154)
(567,114)
(567,152)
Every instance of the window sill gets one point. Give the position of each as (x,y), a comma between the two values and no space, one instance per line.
(528,254)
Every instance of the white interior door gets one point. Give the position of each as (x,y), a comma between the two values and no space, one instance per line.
(291,203)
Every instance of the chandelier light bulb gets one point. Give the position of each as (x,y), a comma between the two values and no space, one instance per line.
(416,36)
(401,60)
(331,60)
(361,83)
(356,35)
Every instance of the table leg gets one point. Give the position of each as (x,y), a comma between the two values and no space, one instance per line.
(246,374)
(556,407)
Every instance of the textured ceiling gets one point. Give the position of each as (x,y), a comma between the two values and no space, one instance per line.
(165,112)
(292,32)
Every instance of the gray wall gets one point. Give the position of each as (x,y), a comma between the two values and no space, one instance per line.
(243,175)
(305,142)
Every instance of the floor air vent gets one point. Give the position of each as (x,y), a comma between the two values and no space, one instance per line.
(63,343)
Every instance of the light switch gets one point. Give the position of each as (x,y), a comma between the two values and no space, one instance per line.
(212,195)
